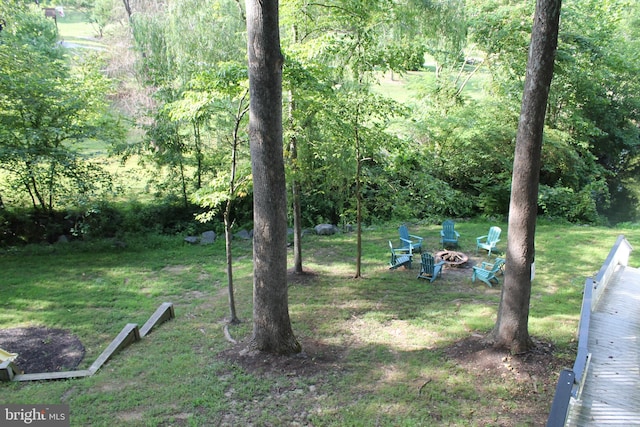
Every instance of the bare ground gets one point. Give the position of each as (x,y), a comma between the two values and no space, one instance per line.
(42,349)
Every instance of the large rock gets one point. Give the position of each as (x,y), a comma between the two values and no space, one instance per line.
(208,237)
(192,240)
(326,229)
(243,235)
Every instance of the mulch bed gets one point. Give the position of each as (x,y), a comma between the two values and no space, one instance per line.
(42,349)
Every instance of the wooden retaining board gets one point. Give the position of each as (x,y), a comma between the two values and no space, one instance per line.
(128,335)
(8,370)
(53,375)
(611,392)
(162,314)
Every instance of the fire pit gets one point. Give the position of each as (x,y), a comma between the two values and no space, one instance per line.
(452,258)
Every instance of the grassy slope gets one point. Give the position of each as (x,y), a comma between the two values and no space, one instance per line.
(388,329)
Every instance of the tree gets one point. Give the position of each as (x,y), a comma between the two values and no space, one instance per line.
(179,44)
(349,37)
(223,96)
(592,110)
(272,330)
(47,108)
(511,329)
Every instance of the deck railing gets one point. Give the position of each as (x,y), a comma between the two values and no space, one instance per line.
(571,381)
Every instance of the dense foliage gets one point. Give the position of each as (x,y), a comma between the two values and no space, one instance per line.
(444,151)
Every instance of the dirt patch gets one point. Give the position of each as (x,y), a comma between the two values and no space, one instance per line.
(533,373)
(42,349)
(306,278)
(478,356)
(315,359)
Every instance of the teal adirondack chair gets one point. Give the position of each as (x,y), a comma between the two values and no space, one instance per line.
(409,241)
(429,269)
(448,235)
(489,241)
(487,271)
(400,257)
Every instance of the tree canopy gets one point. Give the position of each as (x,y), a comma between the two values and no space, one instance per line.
(47,108)
(443,149)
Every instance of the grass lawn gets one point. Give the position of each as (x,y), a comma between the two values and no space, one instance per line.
(378,350)
(74,29)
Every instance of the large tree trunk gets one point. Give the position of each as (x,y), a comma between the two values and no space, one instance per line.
(511,329)
(272,330)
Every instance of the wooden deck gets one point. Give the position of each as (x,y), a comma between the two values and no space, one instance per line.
(610,392)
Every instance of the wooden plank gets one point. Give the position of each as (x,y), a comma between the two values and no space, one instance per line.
(53,375)
(162,314)
(611,389)
(400,261)
(128,335)
(8,369)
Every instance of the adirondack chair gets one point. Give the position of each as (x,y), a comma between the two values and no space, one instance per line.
(489,241)
(487,271)
(429,269)
(400,257)
(448,235)
(409,240)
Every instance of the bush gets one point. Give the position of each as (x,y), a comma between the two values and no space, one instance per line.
(565,203)
(98,221)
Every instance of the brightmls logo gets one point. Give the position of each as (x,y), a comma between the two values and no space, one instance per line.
(34,415)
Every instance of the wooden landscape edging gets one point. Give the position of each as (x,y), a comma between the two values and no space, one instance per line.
(9,371)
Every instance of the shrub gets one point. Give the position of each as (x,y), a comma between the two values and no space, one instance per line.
(565,203)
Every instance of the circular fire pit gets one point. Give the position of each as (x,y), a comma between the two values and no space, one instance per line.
(452,258)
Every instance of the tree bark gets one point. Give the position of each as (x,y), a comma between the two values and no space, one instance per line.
(511,329)
(272,330)
(127,7)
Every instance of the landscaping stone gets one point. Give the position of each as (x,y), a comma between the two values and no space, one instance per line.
(326,229)
(191,240)
(243,235)
(208,237)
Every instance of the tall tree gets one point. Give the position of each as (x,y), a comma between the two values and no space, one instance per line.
(511,329)
(348,35)
(47,111)
(272,330)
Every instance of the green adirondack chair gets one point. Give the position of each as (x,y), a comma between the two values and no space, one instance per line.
(409,241)
(487,271)
(448,235)
(429,269)
(489,241)
(400,257)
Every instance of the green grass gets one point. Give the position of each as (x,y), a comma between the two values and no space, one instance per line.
(75,29)
(388,330)
(402,88)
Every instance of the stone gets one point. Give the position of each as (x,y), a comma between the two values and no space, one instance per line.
(192,240)
(208,237)
(243,235)
(326,229)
